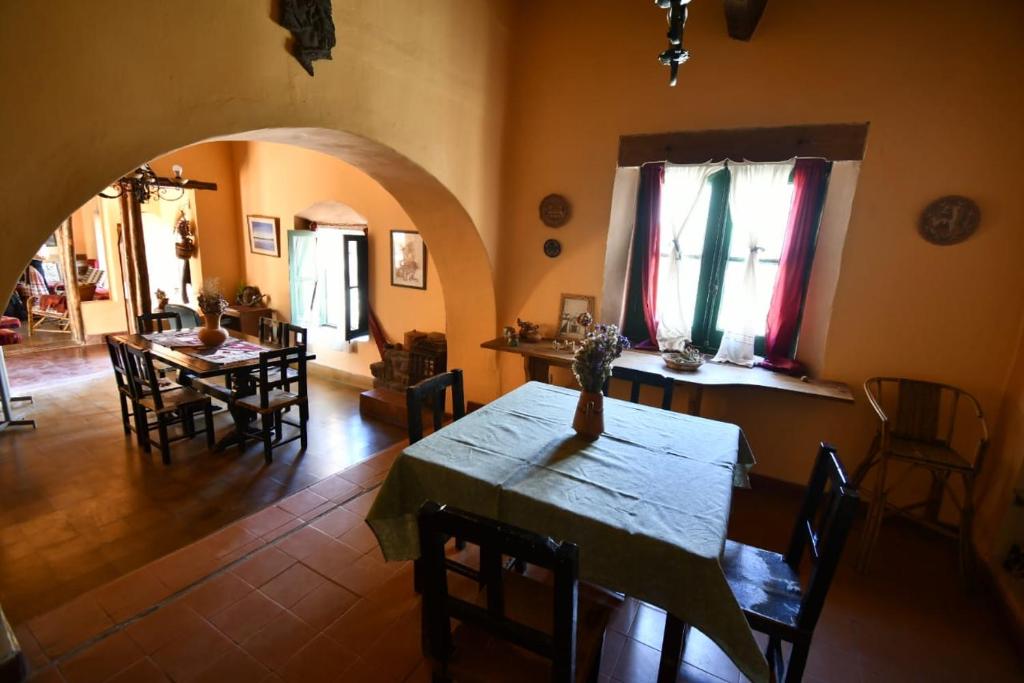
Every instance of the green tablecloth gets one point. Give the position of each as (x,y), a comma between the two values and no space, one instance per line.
(647,503)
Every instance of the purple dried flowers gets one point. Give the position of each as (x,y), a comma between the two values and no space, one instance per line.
(592,364)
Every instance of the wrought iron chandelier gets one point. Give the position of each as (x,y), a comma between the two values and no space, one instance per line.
(675,54)
(144,184)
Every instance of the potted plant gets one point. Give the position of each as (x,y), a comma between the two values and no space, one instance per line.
(592,366)
(212,303)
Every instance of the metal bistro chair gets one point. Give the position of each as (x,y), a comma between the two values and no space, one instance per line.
(767,585)
(431,393)
(918,422)
(562,621)
(639,378)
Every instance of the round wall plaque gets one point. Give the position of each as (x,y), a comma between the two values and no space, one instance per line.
(552,248)
(949,220)
(555,211)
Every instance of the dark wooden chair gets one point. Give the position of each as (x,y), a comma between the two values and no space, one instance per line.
(171,406)
(767,585)
(918,422)
(430,393)
(189,317)
(124,390)
(13,665)
(638,378)
(560,624)
(278,369)
(158,322)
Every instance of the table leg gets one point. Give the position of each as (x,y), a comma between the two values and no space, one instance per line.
(6,399)
(537,369)
(672,645)
(696,395)
(241,385)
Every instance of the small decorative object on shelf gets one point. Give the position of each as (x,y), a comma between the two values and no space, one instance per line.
(949,220)
(555,211)
(161,299)
(687,360)
(247,295)
(511,336)
(528,331)
(212,303)
(552,248)
(592,366)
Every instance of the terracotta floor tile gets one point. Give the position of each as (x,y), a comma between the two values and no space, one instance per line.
(130,594)
(332,560)
(362,576)
(247,616)
(362,504)
(217,594)
(70,625)
(337,522)
(33,653)
(157,629)
(279,532)
(702,653)
(301,502)
(263,566)
(293,584)
(396,655)
(336,488)
(184,567)
(192,651)
(102,660)
(304,542)
(648,626)
(324,605)
(360,537)
(233,666)
(143,671)
(321,661)
(365,622)
(637,663)
(279,640)
(266,520)
(51,675)
(318,511)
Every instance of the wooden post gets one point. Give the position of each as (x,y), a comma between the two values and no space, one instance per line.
(69,268)
(135,255)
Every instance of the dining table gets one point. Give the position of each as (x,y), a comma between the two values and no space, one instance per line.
(235,360)
(647,502)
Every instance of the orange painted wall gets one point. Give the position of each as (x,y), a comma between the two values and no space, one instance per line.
(936,83)
(281,181)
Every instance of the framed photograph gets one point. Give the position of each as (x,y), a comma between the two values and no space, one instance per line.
(264,235)
(572,306)
(408,260)
(51,241)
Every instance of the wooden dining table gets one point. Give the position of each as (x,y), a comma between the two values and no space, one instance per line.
(647,503)
(193,361)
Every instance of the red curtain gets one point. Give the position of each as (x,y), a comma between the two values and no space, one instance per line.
(809,180)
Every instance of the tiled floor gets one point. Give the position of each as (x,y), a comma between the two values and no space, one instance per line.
(39,339)
(299,592)
(82,505)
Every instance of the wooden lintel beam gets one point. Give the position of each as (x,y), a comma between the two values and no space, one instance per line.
(189,185)
(742,17)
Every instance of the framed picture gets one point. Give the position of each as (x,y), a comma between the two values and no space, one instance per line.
(408,260)
(572,306)
(51,241)
(264,235)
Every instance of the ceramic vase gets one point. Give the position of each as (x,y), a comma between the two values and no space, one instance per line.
(211,333)
(589,419)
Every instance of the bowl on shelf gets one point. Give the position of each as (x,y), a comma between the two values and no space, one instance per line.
(684,362)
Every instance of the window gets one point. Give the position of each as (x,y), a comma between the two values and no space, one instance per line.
(712,256)
(329,301)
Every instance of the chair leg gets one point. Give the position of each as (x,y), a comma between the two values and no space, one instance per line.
(142,428)
(869,462)
(267,422)
(208,419)
(303,420)
(797,662)
(278,420)
(165,444)
(875,516)
(188,422)
(673,642)
(125,418)
(967,530)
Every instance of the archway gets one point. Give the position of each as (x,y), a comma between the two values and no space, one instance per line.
(447,228)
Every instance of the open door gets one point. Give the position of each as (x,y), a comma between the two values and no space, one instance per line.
(302,277)
(357,319)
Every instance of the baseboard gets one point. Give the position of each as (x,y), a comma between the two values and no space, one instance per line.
(341,376)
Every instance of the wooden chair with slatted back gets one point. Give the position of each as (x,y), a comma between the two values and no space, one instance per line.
(170,405)
(430,393)
(278,370)
(918,422)
(638,378)
(767,585)
(158,322)
(560,623)
(124,391)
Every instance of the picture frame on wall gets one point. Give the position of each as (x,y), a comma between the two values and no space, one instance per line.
(408,260)
(264,235)
(572,305)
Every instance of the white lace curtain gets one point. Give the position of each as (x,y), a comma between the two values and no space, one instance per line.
(684,187)
(752,186)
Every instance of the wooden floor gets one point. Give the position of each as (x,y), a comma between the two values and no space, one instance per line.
(82,505)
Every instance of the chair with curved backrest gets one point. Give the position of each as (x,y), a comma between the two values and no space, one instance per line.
(188,316)
(767,585)
(158,320)
(638,378)
(430,393)
(919,423)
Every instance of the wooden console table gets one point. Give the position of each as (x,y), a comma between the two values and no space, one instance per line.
(248,317)
(538,357)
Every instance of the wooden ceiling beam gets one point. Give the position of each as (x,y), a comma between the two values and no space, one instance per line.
(742,17)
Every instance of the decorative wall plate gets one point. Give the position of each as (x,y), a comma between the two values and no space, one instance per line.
(552,248)
(949,220)
(555,211)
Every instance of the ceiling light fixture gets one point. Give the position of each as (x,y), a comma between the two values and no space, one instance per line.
(675,54)
(144,184)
